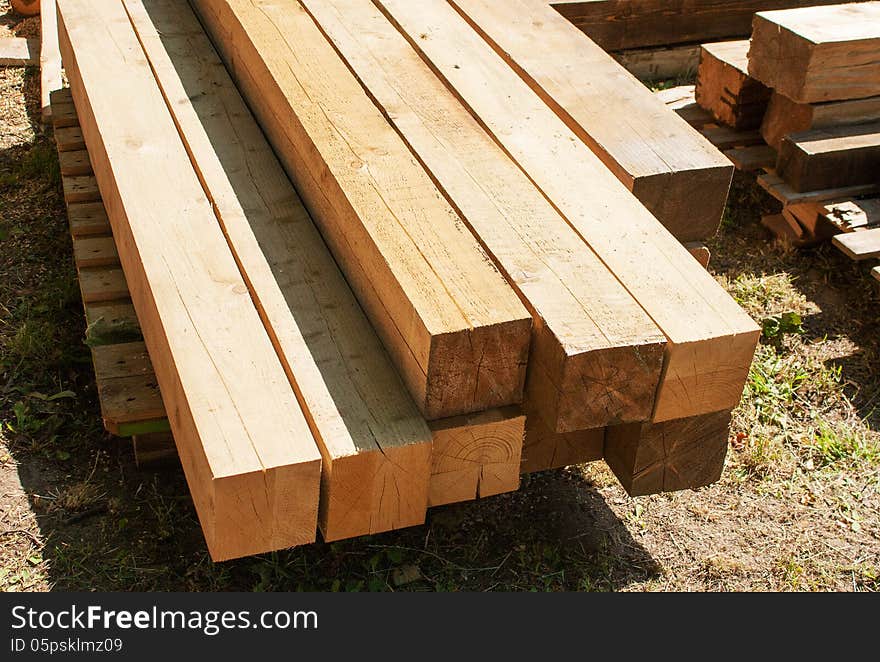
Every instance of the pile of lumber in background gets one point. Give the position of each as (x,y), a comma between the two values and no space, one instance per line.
(361,285)
(803,97)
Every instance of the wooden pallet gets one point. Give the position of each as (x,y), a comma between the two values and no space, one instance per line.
(129,396)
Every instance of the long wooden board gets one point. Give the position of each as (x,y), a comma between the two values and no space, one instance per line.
(50,57)
(375,445)
(250,460)
(675,172)
(596,356)
(816,54)
(831,158)
(453,326)
(618,24)
(784,116)
(710,339)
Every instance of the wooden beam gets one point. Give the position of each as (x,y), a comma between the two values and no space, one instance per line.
(248,454)
(618,24)
(88,218)
(725,88)
(675,455)
(375,445)
(667,165)
(69,139)
(650,64)
(50,57)
(785,117)
(830,158)
(816,54)
(754,157)
(710,340)
(74,163)
(453,326)
(95,252)
(779,189)
(476,455)
(544,449)
(596,356)
(19,52)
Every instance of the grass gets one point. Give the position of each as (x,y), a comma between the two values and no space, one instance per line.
(798,506)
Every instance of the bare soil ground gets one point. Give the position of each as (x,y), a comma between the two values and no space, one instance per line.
(798,507)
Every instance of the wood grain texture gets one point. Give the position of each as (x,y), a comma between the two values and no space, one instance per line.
(596,356)
(376,447)
(455,329)
(248,454)
(830,158)
(94,252)
(618,24)
(88,218)
(864,245)
(726,90)
(649,64)
(710,340)
(816,54)
(476,455)
(665,457)
(785,117)
(655,153)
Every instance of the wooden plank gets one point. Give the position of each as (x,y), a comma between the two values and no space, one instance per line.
(656,154)
(863,245)
(250,460)
(779,189)
(98,284)
(681,100)
(50,58)
(830,158)
(87,219)
(851,215)
(785,117)
(675,455)
(69,139)
(544,449)
(618,24)
(123,360)
(133,399)
(816,54)
(453,326)
(19,52)
(64,114)
(80,188)
(710,339)
(95,252)
(648,64)
(375,445)
(111,322)
(476,455)
(596,355)
(724,138)
(725,88)
(755,157)
(74,163)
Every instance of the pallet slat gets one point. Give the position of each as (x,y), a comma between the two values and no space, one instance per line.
(863,245)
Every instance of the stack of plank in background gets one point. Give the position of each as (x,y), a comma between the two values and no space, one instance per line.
(343,334)
(660,39)
(823,65)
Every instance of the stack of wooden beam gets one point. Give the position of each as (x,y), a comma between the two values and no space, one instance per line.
(823,65)
(389,226)
(726,90)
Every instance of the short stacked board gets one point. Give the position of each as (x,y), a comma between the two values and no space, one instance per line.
(471,276)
